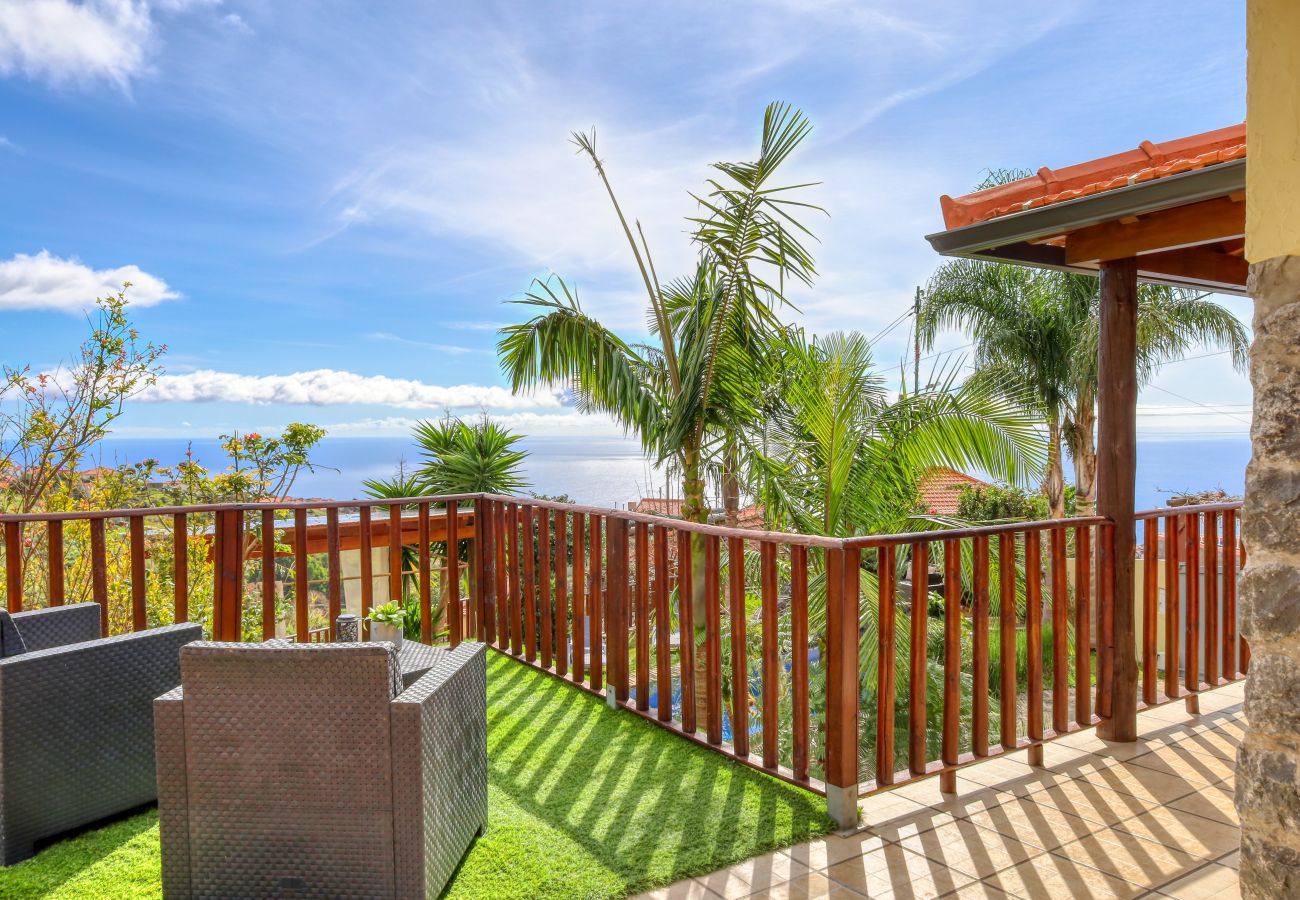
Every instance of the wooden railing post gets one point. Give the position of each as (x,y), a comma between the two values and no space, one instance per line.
(1105,620)
(616,537)
(842,686)
(452,614)
(228,594)
(14,566)
(485,560)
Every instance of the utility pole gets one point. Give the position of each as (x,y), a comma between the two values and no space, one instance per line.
(916,334)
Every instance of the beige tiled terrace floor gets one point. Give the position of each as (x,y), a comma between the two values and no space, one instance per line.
(1154,819)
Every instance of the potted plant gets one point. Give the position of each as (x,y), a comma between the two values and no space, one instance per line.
(386,623)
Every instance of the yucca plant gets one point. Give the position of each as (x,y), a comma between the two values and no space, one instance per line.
(462,457)
(405,483)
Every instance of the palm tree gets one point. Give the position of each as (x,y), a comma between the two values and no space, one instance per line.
(679,394)
(1038,330)
(1026,334)
(833,454)
(1170,323)
(459,458)
(836,456)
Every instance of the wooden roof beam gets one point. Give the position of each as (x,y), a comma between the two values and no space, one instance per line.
(1209,221)
(1197,265)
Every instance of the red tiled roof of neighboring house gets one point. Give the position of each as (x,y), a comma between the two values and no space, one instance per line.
(941,487)
(659,506)
(748,517)
(1145,163)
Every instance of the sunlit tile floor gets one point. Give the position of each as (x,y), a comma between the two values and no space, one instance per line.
(1152,819)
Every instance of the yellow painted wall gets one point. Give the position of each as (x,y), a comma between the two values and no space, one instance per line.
(1272,129)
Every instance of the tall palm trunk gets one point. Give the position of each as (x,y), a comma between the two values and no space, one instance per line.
(695,509)
(1054,482)
(1083,449)
(730,487)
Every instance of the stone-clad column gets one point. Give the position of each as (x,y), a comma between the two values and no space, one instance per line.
(1268,764)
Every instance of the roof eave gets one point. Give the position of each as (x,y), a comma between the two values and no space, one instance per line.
(1010,238)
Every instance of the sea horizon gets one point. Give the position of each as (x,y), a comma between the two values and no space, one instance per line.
(612,471)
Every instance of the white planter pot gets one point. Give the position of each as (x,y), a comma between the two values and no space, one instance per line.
(382,631)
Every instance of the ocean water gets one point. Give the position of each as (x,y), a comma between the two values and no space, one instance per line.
(598,471)
(611,471)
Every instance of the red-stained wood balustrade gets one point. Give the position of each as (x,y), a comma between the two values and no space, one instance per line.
(854,664)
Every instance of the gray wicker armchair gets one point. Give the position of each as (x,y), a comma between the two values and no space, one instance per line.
(76,720)
(307,771)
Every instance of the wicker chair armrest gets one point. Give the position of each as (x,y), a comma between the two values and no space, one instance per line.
(439,728)
(173,791)
(58,626)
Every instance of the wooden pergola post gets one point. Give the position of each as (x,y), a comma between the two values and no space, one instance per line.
(1116,476)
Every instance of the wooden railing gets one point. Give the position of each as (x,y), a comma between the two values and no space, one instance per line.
(1019,644)
(690,625)
(1190,560)
(209,563)
(845,665)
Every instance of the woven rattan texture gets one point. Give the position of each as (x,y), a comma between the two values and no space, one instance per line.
(173,808)
(76,728)
(279,776)
(441,796)
(58,625)
(417,659)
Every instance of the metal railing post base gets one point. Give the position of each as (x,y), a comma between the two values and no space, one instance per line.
(842,806)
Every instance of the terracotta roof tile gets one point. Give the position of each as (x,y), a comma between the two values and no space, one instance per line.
(747,517)
(941,487)
(1146,163)
(659,506)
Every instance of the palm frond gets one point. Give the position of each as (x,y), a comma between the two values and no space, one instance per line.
(563,345)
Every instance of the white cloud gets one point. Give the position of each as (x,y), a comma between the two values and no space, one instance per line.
(45,281)
(475,325)
(503,173)
(527,193)
(329,387)
(61,41)
(385,337)
(573,424)
(236,23)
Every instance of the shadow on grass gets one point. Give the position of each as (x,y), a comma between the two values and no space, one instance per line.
(622,803)
(585,801)
(115,857)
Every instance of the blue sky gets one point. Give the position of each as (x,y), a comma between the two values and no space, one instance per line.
(358,187)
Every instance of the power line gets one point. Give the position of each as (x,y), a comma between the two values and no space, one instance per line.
(891,326)
(942,352)
(1157,415)
(1190,358)
(1199,403)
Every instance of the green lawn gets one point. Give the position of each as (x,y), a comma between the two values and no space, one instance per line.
(585,802)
